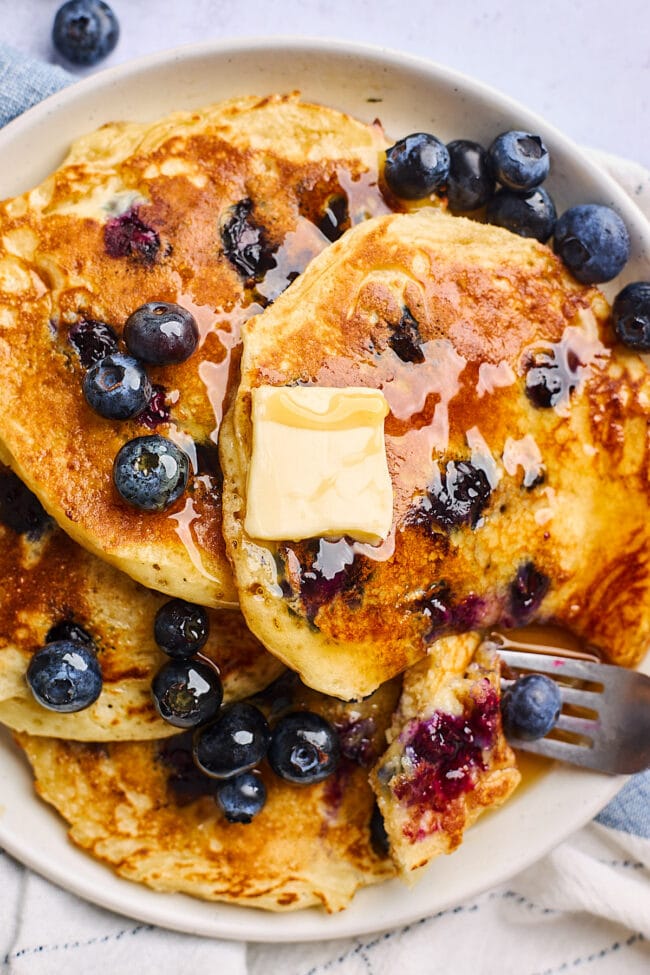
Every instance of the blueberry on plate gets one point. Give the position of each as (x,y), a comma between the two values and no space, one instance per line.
(181,628)
(234,743)
(162,333)
(21,510)
(416,166)
(593,242)
(530,707)
(187,693)
(530,214)
(65,676)
(85,31)
(631,316)
(519,160)
(304,748)
(242,797)
(470,183)
(151,472)
(117,387)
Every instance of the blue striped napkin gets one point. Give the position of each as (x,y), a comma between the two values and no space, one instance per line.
(585,907)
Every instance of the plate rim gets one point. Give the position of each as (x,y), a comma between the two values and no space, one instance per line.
(277,927)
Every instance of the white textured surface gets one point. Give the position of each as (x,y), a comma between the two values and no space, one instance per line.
(584,65)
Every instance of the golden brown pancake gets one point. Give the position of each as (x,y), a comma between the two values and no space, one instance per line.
(516,442)
(148,212)
(448,760)
(142,808)
(45,580)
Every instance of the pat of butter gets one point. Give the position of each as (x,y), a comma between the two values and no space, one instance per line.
(318,465)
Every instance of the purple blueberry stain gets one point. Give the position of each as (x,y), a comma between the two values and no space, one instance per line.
(318,571)
(443,753)
(129,236)
(357,738)
(157,411)
(444,615)
(92,340)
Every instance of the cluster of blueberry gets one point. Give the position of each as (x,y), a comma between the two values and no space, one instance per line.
(231,741)
(591,239)
(149,472)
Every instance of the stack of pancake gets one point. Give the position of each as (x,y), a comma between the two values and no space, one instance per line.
(503,511)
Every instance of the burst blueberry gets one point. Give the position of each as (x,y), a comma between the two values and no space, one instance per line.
(65,676)
(117,387)
(530,707)
(162,333)
(70,631)
(458,497)
(151,472)
(470,183)
(187,693)
(416,166)
(593,242)
(234,743)
(631,316)
(92,340)
(405,339)
(85,31)
(304,748)
(181,628)
(530,214)
(244,242)
(129,236)
(519,160)
(242,797)
(21,510)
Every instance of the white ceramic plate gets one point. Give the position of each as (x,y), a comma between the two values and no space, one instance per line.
(407,95)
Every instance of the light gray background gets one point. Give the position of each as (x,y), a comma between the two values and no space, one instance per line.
(583,64)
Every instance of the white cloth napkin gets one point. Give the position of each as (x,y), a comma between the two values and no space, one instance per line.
(584,908)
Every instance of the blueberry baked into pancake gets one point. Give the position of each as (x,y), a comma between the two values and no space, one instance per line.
(124,279)
(60,605)
(513,487)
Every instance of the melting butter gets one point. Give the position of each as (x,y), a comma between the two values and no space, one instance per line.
(318,466)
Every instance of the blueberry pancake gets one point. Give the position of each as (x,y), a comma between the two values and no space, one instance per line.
(448,760)
(516,438)
(214,211)
(144,809)
(51,589)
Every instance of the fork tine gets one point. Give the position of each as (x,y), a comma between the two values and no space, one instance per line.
(554,666)
(578,726)
(563,751)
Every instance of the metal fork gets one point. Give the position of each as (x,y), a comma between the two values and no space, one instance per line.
(605,719)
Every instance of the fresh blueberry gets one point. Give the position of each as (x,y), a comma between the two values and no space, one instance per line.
(304,748)
(117,387)
(471,183)
(416,166)
(162,333)
(242,797)
(234,743)
(187,693)
(70,631)
(85,31)
(530,214)
(530,707)
(593,242)
(519,160)
(129,236)
(65,676)
(181,628)
(151,472)
(631,316)
(244,242)
(92,341)
(21,510)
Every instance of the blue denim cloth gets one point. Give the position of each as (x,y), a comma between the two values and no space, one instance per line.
(25,81)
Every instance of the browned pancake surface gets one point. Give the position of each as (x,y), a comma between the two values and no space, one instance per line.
(136,214)
(504,507)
